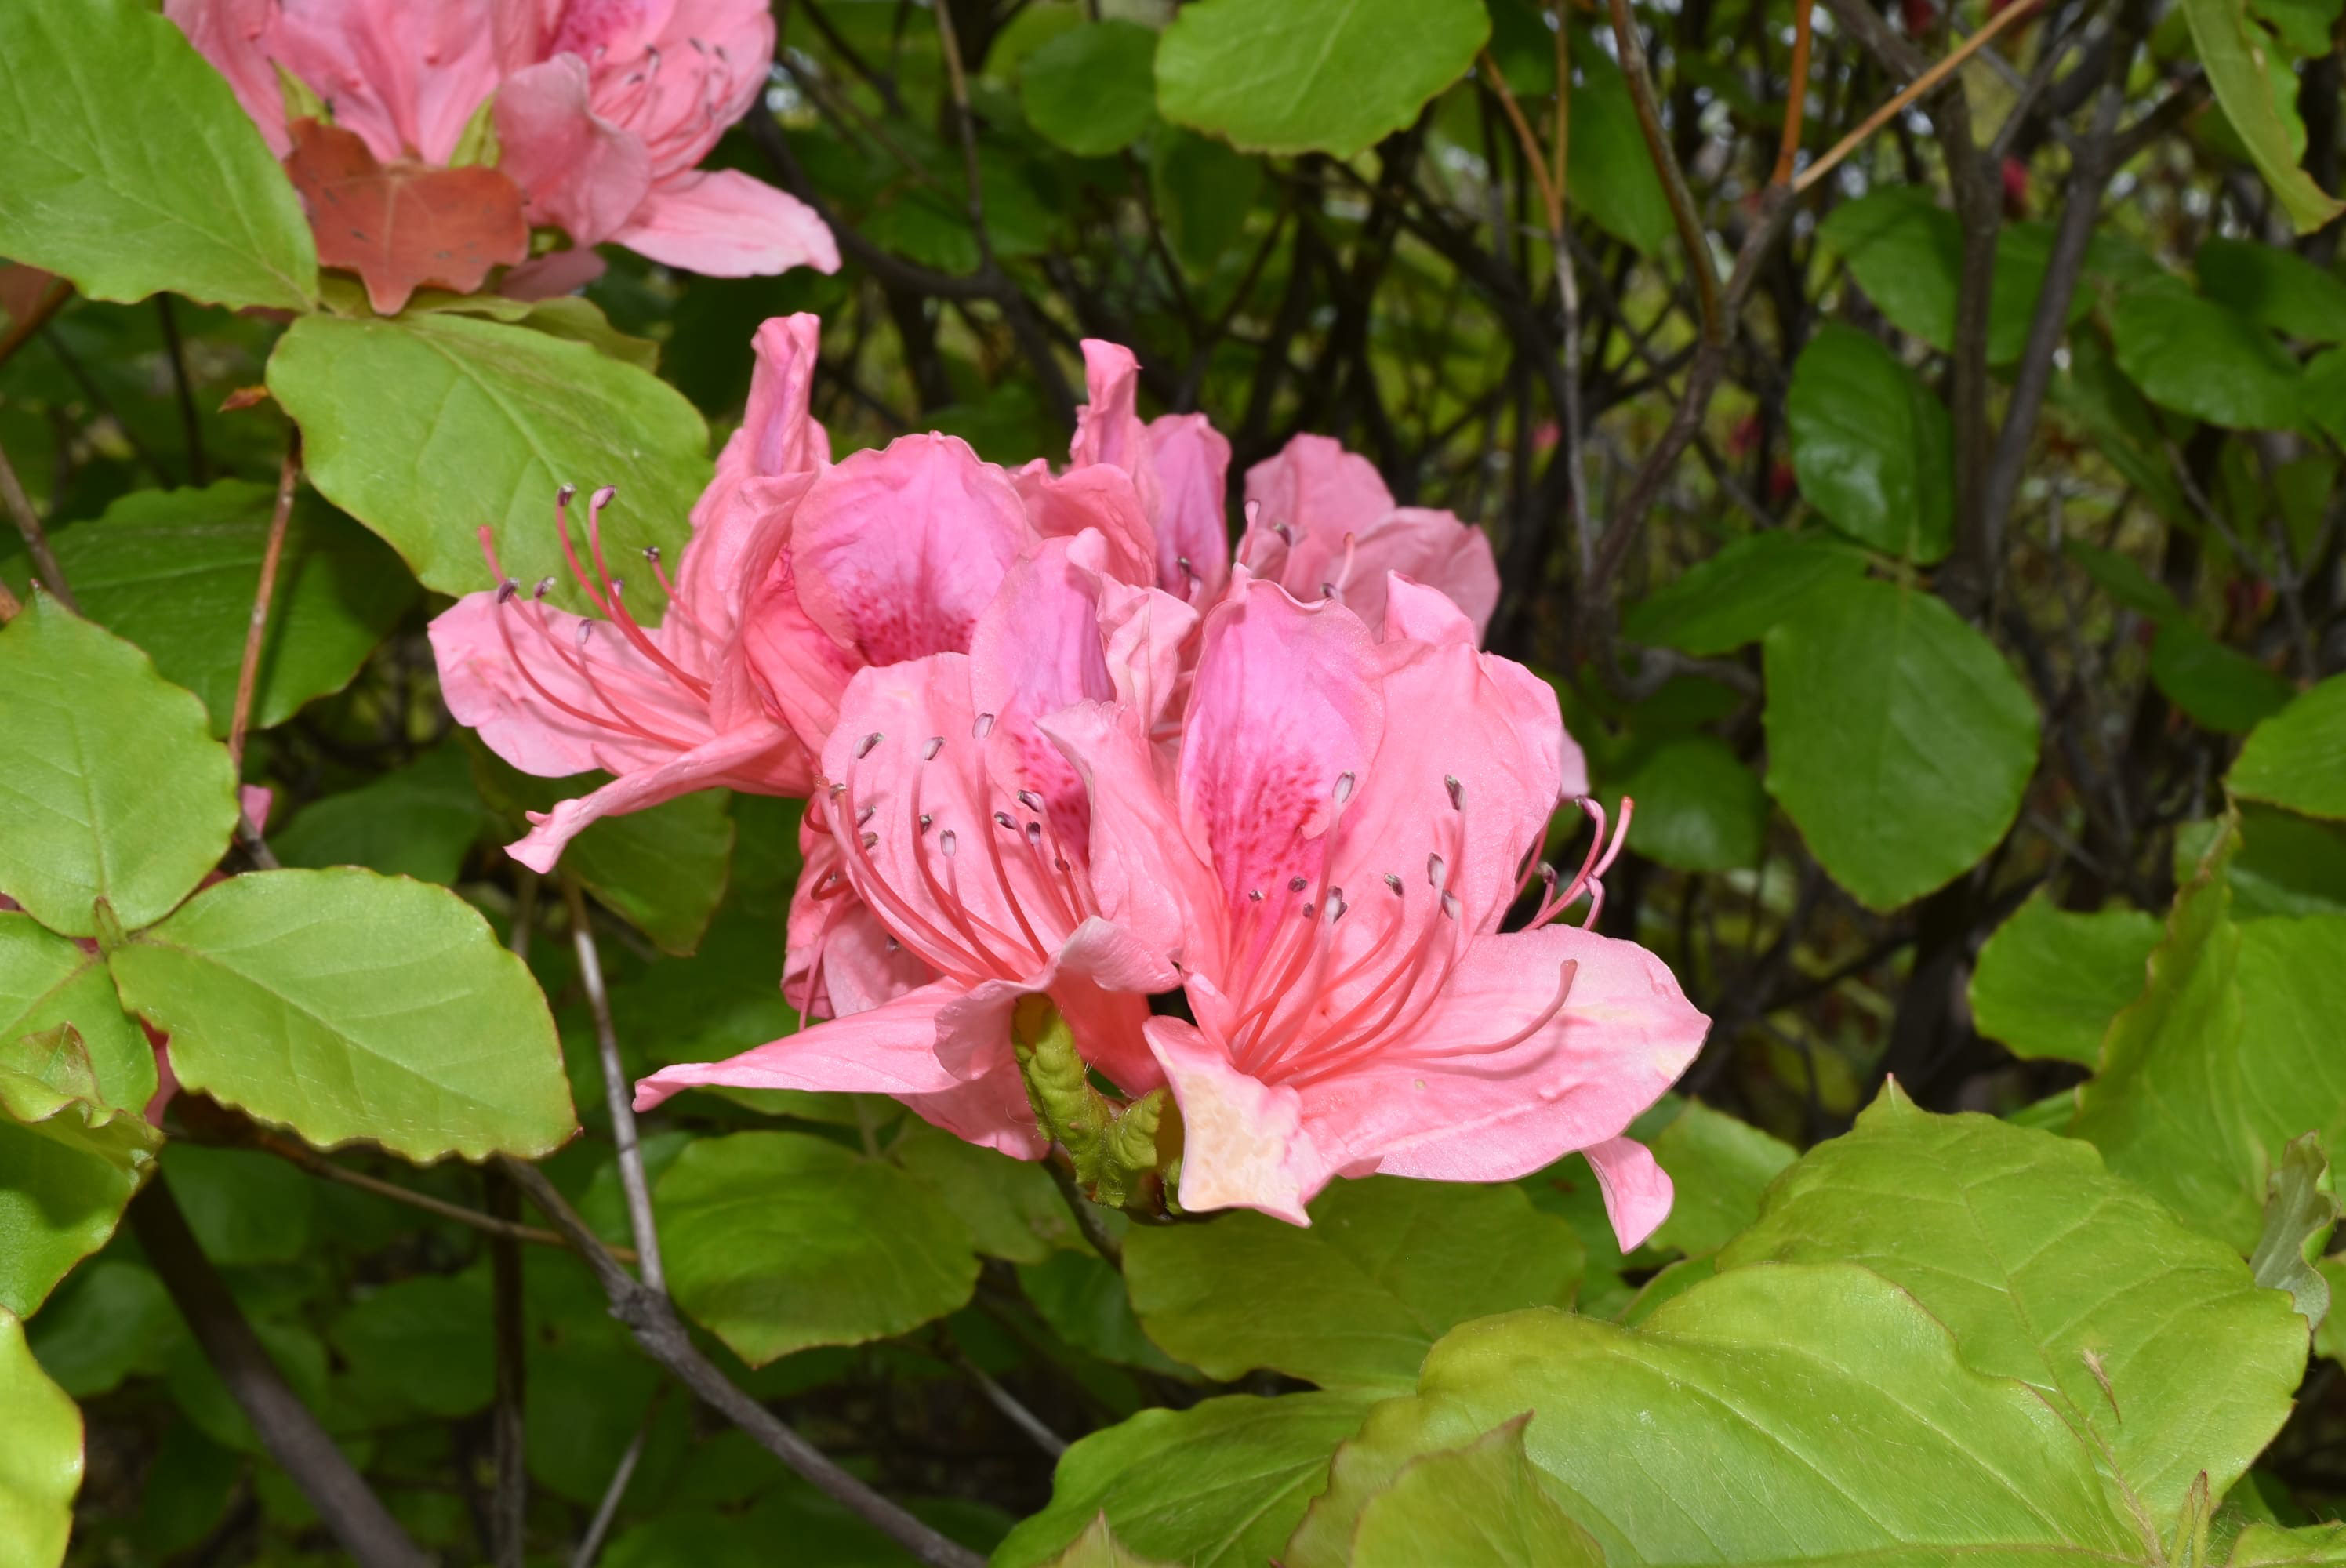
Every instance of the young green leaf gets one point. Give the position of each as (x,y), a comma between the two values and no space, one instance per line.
(58,1204)
(45,980)
(48,1086)
(1219,1485)
(174,570)
(2047,1268)
(2297,758)
(40,1457)
(1097,1547)
(1386,1268)
(2300,1211)
(1314,75)
(112,787)
(1822,1389)
(127,164)
(2050,980)
(1873,448)
(347,1005)
(1898,741)
(428,429)
(1481,1506)
(777,1241)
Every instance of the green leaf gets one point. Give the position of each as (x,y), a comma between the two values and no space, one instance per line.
(1204,188)
(1012,1208)
(347,1005)
(1480,1506)
(1086,1303)
(197,1388)
(2296,758)
(421,1345)
(1698,809)
(112,786)
(245,1207)
(1898,741)
(1906,252)
(2228,1055)
(2220,688)
(2111,414)
(2274,286)
(2301,1209)
(1092,89)
(662,868)
(1720,1167)
(1607,170)
(2124,580)
(2273,1546)
(1873,449)
(1097,1547)
(2206,359)
(45,980)
(428,429)
(127,164)
(1312,75)
(2285,865)
(1825,1394)
(2050,980)
(1386,1268)
(174,571)
(415,821)
(113,1321)
(58,1204)
(2047,1268)
(48,1086)
(40,1457)
(1735,596)
(777,1241)
(2235,50)
(1219,1485)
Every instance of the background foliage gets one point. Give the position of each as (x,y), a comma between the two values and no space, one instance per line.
(1945,550)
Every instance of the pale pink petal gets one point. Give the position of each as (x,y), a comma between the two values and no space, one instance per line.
(552,275)
(1243,1143)
(676,72)
(1464,1099)
(897,551)
(778,433)
(1144,875)
(575,169)
(888,1049)
(1314,486)
(723,224)
(255,799)
(1283,707)
(407,79)
(233,36)
(1148,632)
(765,759)
(990,1111)
(1036,650)
(1433,547)
(1107,427)
(800,667)
(1415,613)
(1193,540)
(1638,1190)
(1103,499)
(839,958)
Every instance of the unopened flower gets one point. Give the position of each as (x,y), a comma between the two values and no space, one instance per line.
(590,115)
(1322,523)
(1328,861)
(961,833)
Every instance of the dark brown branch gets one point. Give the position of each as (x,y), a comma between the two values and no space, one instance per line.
(652,1318)
(509,1517)
(348,1508)
(1700,268)
(36,540)
(190,426)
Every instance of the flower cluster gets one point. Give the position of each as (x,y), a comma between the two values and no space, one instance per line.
(1059,739)
(585,116)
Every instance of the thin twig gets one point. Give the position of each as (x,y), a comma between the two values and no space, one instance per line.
(590,1545)
(191,425)
(36,541)
(1003,1400)
(1087,1213)
(319,1165)
(1796,92)
(1700,267)
(652,1318)
(256,629)
(509,1517)
(1910,91)
(615,1090)
(346,1505)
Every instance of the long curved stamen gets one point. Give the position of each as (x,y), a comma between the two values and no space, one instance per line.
(947,892)
(620,721)
(1593,866)
(882,897)
(614,603)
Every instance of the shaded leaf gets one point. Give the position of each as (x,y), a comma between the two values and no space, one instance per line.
(2203,358)
(2049,981)
(1873,448)
(1735,596)
(1720,1167)
(416,821)
(40,1457)
(115,1319)
(1480,1506)
(1012,1208)
(2220,688)
(1698,808)
(2274,285)
(1092,89)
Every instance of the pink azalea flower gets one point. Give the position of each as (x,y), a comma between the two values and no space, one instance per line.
(1152,489)
(670,709)
(963,838)
(1328,862)
(601,107)
(1322,523)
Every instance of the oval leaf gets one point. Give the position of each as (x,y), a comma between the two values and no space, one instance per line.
(127,166)
(1090,89)
(348,1006)
(40,1457)
(1873,449)
(2297,758)
(1898,738)
(110,782)
(2050,980)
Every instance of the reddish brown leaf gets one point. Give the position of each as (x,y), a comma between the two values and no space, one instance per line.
(244,397)
(407,224)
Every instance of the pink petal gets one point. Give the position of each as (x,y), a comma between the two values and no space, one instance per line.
(406,77)
(706,59)
(1444,1105)
(990,1111)
(1103,499)
(778,433)
(1638,1190)
(233,34)
(552,275)
(1436,548)
(1283,704)
(1315,486)
(1148,632)
(1193,463)
(255,799)
(723,224)
(1415,613)
(802,668)
(888,1050)
(763,759)
(1144,875)
(897,551)
(839,958)
(575,169)
(1107,427)
(1243,1143)
(1036,650)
